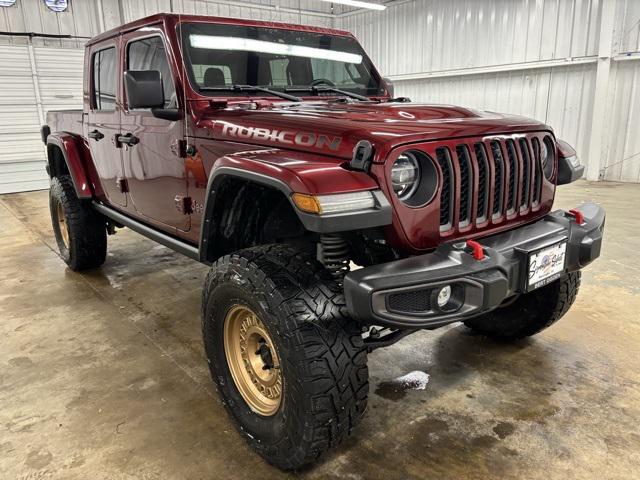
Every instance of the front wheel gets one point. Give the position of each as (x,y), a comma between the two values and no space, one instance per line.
(289,364)
(531,312)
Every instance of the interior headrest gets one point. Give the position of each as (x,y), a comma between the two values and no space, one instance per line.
(213,77)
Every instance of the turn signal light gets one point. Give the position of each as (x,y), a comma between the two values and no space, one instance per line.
(306,203)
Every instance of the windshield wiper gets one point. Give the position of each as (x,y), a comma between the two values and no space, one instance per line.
(323,88)
(250,88)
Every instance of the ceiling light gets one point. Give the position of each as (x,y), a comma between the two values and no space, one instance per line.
(249,45)
(356,3)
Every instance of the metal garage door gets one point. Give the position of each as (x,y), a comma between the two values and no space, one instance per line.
(32,83)
(21,153)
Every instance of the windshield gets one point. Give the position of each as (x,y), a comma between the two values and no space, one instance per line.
(283,60)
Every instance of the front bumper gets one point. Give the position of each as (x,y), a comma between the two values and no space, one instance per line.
(372,293)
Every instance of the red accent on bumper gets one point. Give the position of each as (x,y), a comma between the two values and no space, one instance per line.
(477,251)
(577,214)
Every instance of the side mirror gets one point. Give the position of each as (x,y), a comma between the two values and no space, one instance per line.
(144,89)
(389,86)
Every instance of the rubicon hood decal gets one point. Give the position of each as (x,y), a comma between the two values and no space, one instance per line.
(335,129)
(283,137)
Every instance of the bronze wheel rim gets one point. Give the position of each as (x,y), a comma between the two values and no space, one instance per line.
(253,360)
(62,224)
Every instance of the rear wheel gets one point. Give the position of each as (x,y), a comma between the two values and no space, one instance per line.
(80,231)
(290,366)
(530,313)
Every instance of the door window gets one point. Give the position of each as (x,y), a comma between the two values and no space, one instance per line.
(150,54)
(104,79)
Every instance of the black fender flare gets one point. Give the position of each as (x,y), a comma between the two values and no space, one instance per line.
(332,223)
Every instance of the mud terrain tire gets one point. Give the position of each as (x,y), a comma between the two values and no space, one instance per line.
(80,231)
(322,358)
(530,313)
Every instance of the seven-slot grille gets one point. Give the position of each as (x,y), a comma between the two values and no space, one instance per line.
(503,175)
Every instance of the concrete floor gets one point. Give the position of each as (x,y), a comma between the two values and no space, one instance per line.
(102,374)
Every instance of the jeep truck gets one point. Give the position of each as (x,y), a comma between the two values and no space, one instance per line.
(335,218)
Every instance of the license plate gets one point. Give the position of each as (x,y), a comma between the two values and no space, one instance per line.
(546,265)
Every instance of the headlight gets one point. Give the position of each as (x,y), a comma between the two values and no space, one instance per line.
(547,157)
(405,175)
(414,178)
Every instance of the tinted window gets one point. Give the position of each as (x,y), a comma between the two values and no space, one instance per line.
(286,60)
(150,54)
(104,79)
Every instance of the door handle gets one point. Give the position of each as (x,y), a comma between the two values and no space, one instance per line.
(128,139)
(97,135)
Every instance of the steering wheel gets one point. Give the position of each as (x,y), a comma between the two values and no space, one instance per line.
(322,81)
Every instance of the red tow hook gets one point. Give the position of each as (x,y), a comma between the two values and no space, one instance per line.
(476,248)
(578,216)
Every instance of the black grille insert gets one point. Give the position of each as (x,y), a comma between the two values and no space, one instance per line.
(466,184)
(410,302)
(447,191)
(498,189)
(513,176)
(526,173)
(483,182)
(537,166)
(490,179)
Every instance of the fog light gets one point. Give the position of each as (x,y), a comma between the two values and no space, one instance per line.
(444,295)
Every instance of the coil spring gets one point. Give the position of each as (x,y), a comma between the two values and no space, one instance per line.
(334,255)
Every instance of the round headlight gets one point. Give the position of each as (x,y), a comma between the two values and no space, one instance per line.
(547,157)
(405,175)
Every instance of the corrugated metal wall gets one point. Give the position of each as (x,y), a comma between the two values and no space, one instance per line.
(21,154)
(531,57)
(33,80)
(624,129)
(430,36)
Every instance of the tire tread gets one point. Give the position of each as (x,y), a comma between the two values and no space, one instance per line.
(531,313)
(87,230)
(327,351)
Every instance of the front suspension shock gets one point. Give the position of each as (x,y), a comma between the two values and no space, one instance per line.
(333,253)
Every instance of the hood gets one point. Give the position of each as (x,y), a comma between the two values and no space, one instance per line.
(334,128)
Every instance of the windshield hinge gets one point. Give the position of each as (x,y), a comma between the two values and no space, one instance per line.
(362,156)
(218,104)
(181,149)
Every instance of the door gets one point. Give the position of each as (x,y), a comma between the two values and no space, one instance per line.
(103,121)
(155,172)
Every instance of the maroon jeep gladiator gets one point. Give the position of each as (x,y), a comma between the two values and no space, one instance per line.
(336,218)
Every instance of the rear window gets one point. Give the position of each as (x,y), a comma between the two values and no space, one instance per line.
(104,79)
